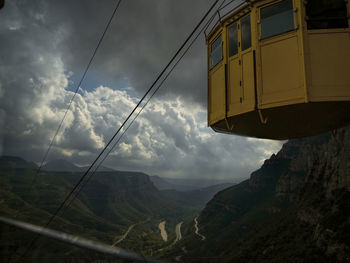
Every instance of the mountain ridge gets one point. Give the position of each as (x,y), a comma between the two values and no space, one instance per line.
(104,210)
(295,208)
(8,162)
(62,165)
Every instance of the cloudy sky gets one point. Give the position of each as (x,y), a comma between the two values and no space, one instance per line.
(45,47)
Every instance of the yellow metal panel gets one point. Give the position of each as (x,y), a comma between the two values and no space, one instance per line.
(255,45)
(330,65)
(248,81)
(217,106)
(234,88)
(282,80)
(300,23)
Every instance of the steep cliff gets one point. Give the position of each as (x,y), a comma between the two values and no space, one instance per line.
(295,208)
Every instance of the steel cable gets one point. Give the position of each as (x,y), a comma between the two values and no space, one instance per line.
(140,111)
(120,128)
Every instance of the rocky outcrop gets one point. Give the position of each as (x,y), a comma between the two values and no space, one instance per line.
(331,168)
(322,160)
(295,208)
(319,184)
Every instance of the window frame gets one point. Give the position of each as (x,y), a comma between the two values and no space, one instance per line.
(295,20)
(241,32)
(220,35)
(228,37)
(238,23)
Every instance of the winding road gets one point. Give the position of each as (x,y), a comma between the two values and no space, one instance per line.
(196,231)
(124,236)
(163,233)
(128,231)
(178,233)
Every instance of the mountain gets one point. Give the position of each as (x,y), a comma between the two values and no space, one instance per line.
(188,184)
(196,198)
(110,204)
(166,184)
(295,208)
(9,162)
(204,182)
(61,165)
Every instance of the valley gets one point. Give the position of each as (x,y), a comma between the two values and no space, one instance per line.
(296,204)
(120,208)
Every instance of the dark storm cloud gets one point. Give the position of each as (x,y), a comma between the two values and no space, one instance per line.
(141,40)
(45,46)
(33,78)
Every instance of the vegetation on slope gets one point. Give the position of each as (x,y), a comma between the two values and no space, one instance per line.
(109,204)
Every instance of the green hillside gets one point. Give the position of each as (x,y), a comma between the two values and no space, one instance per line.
(109,204)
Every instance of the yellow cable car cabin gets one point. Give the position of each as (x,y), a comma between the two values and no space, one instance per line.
(280,69)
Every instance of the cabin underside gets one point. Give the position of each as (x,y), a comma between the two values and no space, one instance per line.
(293,121)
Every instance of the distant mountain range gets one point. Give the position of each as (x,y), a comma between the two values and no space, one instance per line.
(110,203)
(197,197)
(58,165)
(185,191)
(8,162)
(162,183)
(61,165)
(189,184)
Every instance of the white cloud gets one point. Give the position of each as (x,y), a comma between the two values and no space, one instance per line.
(171,136)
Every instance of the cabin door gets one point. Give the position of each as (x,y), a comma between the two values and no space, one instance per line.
(241,78)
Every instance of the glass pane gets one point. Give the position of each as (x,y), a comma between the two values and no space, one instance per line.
(233,40)
(323,14)
(246,33)
(216,44)
(277,19)
(276,9)
(216,52)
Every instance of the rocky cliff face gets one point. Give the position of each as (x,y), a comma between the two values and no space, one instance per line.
(296,207)
(323,160)
(321,190)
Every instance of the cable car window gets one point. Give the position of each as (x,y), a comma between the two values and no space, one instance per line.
(277,19)
(216,52)
(233,40)
(324,14)
(246,33)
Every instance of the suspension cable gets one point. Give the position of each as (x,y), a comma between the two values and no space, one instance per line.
(79,241)
(139,112)
(76,90)
(53,216)
(75,93)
